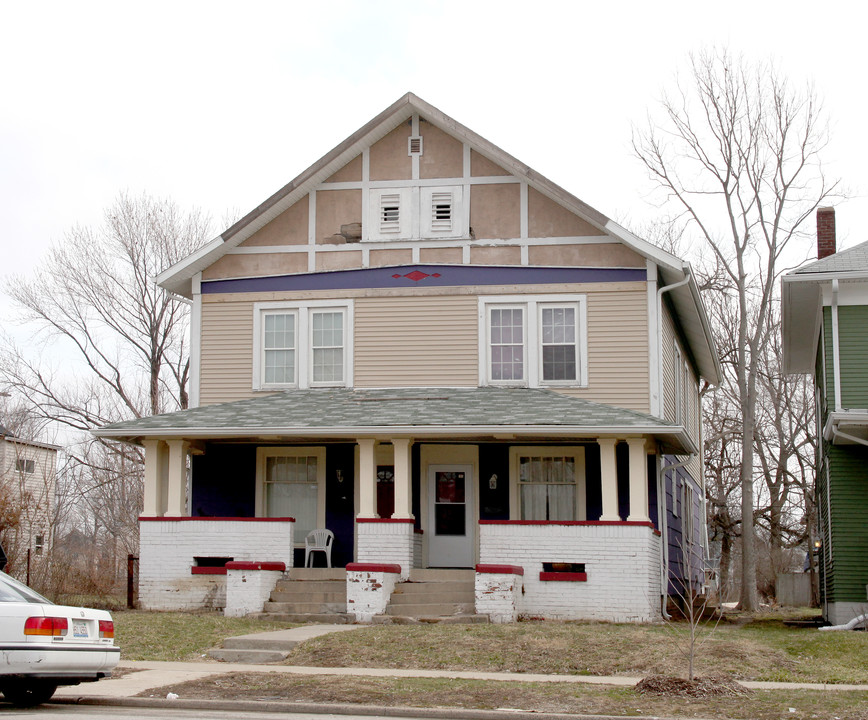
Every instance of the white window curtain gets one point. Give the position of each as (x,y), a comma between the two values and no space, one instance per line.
(292,491)
(547,488)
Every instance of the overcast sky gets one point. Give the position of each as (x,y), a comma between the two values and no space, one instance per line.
(219,104)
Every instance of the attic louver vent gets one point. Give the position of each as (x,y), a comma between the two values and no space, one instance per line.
(441,211)
(390,213)
(414,145)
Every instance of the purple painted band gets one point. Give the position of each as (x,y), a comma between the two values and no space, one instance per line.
(423,276)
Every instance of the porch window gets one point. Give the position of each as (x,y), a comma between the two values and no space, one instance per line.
(549,484)
(290,484)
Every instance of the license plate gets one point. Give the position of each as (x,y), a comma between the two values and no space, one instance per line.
(79,630)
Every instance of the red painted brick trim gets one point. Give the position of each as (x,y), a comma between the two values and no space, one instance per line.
(239,565)
(501,569)
(195,570)
(386,520)
(374,567)
(564,577)
(215,519)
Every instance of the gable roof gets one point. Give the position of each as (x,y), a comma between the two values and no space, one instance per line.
(423,412)
(802,302)
(178,278)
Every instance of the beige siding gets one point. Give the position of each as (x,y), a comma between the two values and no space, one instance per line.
(617,350)
(495,255)
(667,361)
(226,367)
(453,256)
(416,341)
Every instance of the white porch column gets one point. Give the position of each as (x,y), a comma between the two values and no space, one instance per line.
(609,478)
(153,491)
(638,480)
(176,505)
(403,472)
(367,478)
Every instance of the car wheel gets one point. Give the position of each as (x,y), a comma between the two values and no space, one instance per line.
(28,693)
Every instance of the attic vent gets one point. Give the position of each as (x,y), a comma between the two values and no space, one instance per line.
(441,211)
(390,213)
(414,145)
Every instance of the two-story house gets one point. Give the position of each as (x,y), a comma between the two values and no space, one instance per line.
(27,485)
(825,333)
(447,360)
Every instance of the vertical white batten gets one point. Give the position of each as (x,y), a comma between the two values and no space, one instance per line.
(311,231)
(523,210)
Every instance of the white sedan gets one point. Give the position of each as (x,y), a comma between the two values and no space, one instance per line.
(43,645)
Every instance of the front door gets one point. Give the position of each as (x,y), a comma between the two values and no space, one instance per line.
(450,516)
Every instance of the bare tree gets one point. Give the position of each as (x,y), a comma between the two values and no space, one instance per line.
(736,151)
(123,340)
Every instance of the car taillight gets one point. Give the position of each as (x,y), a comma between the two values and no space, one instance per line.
(51,626)
(106,629)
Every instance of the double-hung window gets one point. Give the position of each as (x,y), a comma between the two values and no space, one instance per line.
(548,483)
(26,466)
(291,483)
(533,341)
(302,345)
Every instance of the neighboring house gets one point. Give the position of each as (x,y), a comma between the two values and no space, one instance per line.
(27,484)
(449,361)
(825,332)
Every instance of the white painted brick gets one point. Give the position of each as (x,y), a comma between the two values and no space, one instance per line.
(368,593)
(392,543)
(167,549)
(497,596)
(622,563)
(247,590)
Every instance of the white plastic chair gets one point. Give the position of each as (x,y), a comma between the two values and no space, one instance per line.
(318,540)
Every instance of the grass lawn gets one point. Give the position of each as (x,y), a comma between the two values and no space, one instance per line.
(178,636)
(753,648)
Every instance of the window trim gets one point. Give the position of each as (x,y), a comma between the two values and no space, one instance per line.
(533,306)
(304,342)
(263,453)
(577,452)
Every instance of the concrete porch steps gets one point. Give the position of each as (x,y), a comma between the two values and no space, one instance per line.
(433,595)
(309,595)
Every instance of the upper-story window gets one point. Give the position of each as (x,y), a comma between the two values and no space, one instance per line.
(23,465)
(411,213)
(533,341)
(301,345)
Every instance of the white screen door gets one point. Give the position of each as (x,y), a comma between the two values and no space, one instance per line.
(450,516)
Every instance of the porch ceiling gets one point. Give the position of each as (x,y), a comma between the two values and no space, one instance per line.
(485,413)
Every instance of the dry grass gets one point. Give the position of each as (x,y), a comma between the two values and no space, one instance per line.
(757,650)
(536,697)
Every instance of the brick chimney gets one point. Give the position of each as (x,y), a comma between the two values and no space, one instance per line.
(825,232)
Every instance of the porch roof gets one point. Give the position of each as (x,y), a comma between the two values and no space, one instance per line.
(422,413)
